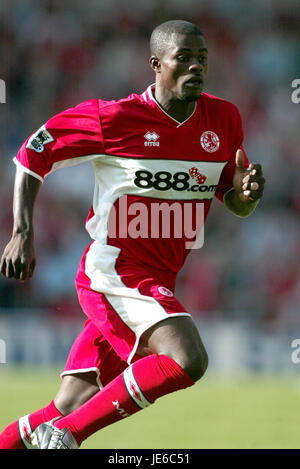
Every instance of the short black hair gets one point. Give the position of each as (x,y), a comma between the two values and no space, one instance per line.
(162,34)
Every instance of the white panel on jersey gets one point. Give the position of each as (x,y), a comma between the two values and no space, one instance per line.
(72,162)
(117,176)
(165,179)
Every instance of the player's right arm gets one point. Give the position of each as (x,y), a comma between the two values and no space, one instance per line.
(18,259)
(68,138)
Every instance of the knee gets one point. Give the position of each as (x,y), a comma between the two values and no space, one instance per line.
(179,339)
(194,363)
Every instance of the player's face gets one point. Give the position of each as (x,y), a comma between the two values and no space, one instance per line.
(183,67)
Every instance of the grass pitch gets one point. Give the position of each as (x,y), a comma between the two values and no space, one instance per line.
(250,412)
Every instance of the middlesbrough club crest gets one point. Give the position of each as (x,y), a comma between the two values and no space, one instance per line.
(210,141)
(165,291)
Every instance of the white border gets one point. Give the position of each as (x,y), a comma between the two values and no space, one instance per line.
(25,420)
(67,163)
(129,379)
(26,170)
(141,332)
(84,370)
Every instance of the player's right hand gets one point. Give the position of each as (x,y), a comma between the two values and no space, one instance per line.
(18,259)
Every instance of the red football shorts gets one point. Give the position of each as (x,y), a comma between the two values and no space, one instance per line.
(121,301)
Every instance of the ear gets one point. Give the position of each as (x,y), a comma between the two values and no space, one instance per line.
(154,64)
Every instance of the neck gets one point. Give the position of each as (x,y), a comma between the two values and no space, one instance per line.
(179,109)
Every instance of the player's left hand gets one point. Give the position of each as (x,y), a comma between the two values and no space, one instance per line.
(248,183)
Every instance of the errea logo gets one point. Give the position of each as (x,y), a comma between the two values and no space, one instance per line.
(151,139)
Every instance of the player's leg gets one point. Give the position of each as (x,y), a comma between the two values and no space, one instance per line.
(179,339)
(174,356)
(73,392)
(174,350)
(90,351)
(17,435)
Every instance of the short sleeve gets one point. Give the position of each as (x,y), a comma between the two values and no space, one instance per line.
(226,178)
(68,138)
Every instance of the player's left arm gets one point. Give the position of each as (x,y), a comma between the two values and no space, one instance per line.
(248,187)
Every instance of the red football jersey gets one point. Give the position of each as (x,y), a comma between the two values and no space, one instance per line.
(152,173)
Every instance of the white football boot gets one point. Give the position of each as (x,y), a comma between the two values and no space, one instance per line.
(47,436)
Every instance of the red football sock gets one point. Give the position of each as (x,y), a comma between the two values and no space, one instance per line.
(17,434)
(137,387)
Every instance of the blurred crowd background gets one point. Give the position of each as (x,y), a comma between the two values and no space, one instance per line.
(55,54)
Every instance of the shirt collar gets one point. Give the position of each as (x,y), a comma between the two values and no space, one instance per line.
(149,98)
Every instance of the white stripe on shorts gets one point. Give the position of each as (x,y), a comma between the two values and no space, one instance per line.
(128,303)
